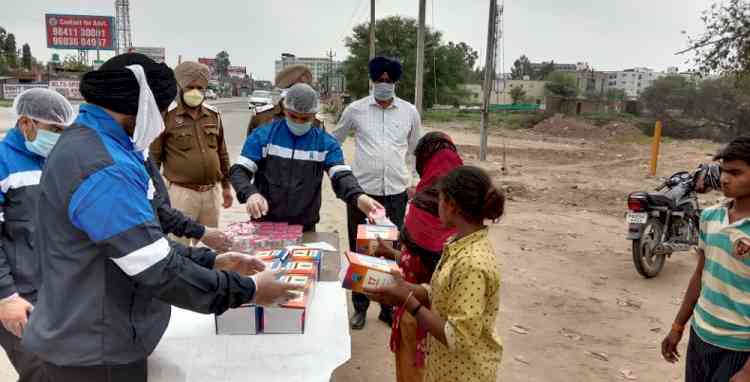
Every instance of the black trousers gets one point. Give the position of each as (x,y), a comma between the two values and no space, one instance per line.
(708,363)
(395,208)
(29,367)
(133,372)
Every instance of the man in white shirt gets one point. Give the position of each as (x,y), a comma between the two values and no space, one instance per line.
(386,129)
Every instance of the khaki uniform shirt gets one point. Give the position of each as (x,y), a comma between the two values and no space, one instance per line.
(192,150)
(270,115)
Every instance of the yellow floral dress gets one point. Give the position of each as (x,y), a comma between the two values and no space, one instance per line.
(465,291)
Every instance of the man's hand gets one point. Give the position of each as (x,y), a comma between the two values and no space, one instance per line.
(245,265)
(14,314)
(216,240)
(669,346)
(257,206)
(269,290)
(410,192)
(367,204)
(228,197)
(742,376)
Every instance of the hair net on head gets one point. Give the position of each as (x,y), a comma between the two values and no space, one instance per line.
(44,105)
(302,98)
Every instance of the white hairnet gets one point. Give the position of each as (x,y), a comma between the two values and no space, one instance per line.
(44,105)
(302,98)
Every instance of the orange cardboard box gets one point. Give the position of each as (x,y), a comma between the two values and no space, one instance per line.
(367,271)
(368,234)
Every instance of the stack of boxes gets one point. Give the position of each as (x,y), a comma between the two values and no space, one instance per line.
(248,237)
(301,266)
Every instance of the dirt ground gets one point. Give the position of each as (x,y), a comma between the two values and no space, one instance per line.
(579,309)
(568,279)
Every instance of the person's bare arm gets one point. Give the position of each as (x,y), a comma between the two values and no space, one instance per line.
(670,342)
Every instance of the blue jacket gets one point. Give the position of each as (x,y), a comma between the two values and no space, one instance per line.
(288,171)
(20,171)
(108,272)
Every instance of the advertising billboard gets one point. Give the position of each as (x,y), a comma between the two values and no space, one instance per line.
(80,32)
(154,53)
(68,88)
(10,91)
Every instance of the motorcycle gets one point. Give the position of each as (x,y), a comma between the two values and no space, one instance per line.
(668,220)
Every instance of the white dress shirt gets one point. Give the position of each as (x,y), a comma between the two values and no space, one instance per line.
(384,162)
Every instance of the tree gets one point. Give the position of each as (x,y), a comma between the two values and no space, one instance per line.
(517,94)
(562,84)
(447,64)
(521,67)
(724,46)
(71,64)
(615,95)
(9,50)
(669,93)
(26,59)
(543,72)
(222,64)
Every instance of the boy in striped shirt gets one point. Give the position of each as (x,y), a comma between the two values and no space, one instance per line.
(718,296)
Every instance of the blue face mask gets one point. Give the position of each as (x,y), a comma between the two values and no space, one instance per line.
(44,142)
(298,129)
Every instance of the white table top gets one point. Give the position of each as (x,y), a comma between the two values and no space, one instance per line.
(191,351)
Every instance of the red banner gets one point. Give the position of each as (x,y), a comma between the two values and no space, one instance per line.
(80,32)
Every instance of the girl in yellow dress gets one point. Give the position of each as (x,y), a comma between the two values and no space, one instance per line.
(459,306)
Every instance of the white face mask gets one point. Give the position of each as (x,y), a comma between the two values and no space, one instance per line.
(148,122)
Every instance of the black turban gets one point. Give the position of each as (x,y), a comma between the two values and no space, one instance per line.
(114,87)
(380,65)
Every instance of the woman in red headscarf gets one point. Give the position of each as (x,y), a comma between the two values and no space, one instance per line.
(422,238)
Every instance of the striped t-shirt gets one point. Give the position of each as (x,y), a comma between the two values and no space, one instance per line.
(722,314)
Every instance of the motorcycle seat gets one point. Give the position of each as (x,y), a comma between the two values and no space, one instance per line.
(659,199)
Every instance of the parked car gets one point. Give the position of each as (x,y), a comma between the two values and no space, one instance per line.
(260,98)
(210,94)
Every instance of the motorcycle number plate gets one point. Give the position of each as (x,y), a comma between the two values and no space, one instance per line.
(637,218)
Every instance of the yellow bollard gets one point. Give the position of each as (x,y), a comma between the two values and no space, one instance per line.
(655,148)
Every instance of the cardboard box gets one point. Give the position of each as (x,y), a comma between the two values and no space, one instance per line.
(289,318)
(243,320)
(367,271)
(295,268)
(271,255)
(368,234)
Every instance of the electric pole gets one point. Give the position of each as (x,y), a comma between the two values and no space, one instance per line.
(489,77)
(419,86)
(372,29)
(330,56)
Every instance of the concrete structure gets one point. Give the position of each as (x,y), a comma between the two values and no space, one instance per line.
(501,92)
(534,91)
(591,82)
(320,67)
(536,66)
(632,81)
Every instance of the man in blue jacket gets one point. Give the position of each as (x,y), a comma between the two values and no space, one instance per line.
(279,172)
(43,114)
(109,274)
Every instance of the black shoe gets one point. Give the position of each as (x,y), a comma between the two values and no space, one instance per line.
(357,322)
(386,316)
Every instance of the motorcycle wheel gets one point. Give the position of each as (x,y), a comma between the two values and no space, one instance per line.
(646,262)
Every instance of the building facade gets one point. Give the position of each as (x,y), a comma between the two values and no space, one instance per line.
(632,81)
(321,68)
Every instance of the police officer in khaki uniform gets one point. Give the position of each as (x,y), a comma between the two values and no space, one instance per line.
(193,151)
(291,75)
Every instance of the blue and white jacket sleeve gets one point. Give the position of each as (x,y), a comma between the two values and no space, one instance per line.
(7,282)
(344,182)
(108,207)
(242,172)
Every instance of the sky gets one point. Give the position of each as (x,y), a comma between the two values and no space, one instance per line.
(609,34)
